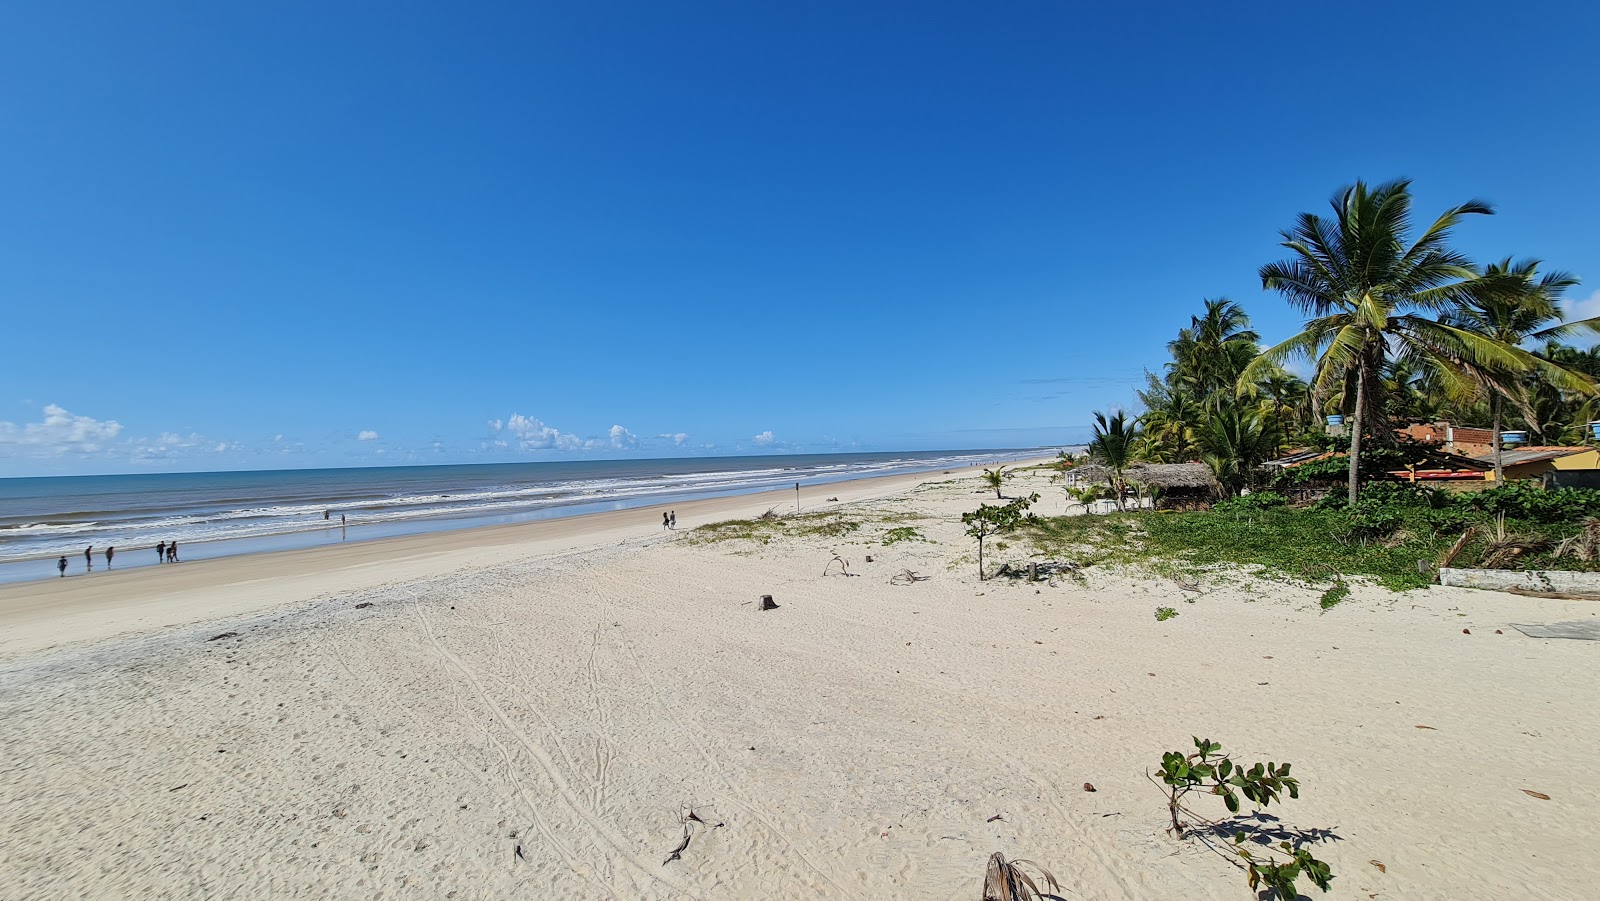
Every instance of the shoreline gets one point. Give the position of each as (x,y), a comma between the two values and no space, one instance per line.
(43,615)
(410,505)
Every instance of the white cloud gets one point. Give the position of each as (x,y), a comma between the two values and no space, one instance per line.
(621,437)
(533,434)
(765,439)
(677,438)
(1587,308)
(367,435)
(59,433)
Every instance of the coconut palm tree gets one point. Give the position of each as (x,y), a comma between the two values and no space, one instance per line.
(1367,291)
(1208,356)
(1234,442)
(1113,447)
(1513,304)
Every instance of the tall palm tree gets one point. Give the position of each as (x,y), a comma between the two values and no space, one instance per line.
(1366,289)
(1513,304)
(1209,355)
(1113,447)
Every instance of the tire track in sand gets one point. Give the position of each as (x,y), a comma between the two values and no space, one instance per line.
(618,844)
(716,767)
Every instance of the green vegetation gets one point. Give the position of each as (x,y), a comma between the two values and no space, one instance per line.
(1383,537)
(764,529)
(1211,772)
(1165,613)
(996,479)
(1400,327)
(902,533)
(990,520)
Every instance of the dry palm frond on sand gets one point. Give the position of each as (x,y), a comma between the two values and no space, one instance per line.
(1005,880)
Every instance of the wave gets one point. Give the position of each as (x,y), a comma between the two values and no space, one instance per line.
(296,509)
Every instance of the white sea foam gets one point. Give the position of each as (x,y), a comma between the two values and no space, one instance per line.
(32,540)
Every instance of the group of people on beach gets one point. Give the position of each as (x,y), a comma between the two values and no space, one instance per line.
(669,520)
(166,552)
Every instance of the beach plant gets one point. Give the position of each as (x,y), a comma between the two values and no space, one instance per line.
(996,479)
(1165,613)
(990,519)
(902,533)
(1114,447)
(1209,771)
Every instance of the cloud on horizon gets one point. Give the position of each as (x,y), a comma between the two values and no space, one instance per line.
(59,433)
(367,435)
(765,439)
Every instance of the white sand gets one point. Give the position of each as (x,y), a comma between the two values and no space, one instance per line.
(509,688)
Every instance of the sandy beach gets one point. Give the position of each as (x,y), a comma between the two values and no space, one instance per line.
(527,711)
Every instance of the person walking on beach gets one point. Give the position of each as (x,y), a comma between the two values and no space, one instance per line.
(666,523)
(672,519)
(172,552)
(88,558)
(110,552)
(161,552)
(62,565)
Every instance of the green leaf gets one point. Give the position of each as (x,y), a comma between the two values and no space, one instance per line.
(1232,800)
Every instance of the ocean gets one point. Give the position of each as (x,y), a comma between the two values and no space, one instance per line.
(222,513)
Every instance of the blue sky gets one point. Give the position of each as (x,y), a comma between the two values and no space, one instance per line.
(305,234)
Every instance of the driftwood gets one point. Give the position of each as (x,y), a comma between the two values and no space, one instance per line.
(1455,549)
(844,566)
(907,577)
(1556,595)
(687,819)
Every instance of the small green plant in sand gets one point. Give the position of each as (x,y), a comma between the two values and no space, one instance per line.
(765,529)
(1165,613)
(1338,592)
(990,520)
(996,479)
(1209,771)
(902,533)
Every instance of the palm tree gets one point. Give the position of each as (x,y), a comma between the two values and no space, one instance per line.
(1235,442)
(1511,304)
(996,479)
(1113,448)
(1366,289)
(1209,355)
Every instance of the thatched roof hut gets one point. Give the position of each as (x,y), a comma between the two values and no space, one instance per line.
(1187,478)
(1180,484)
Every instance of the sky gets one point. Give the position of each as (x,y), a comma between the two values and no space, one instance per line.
(244,236)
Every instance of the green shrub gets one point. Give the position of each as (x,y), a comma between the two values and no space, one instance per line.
(1211,772)
(1245,503)
(1165,613)
(902,533)
(1524,501)
(1365,524)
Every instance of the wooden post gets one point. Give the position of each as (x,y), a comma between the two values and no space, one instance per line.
(1033,571)
(765,603)
(797,497)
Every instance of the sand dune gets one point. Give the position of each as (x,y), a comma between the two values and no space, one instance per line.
(524,715)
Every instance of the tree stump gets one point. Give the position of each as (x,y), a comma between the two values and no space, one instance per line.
(1033,572)
(765,603)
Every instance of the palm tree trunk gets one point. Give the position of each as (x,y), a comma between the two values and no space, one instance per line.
(1358,421)
(1499,470)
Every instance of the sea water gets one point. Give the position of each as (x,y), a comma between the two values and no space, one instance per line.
(220,513)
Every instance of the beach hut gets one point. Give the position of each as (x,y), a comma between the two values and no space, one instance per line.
(1181,486)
